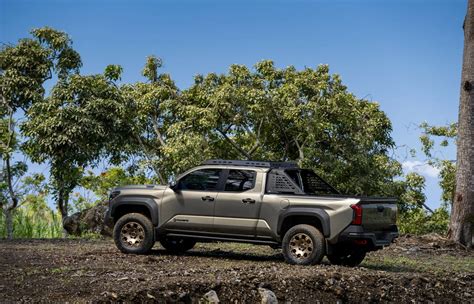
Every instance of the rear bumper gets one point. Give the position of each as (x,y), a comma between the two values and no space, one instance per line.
(377,238)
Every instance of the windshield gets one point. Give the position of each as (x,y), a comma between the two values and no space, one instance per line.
(310,182)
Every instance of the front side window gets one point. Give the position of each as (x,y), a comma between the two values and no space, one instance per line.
(240,180)
(203,180)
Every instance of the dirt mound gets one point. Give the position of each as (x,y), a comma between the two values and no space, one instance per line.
(428,242)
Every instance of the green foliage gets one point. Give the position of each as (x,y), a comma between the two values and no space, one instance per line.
(412,196)
(284,114)
(419,221)
(23,70)
(445,135)
(101,184)
(150,70)
(150,117)
(74,127)
(26,66)
(113,72)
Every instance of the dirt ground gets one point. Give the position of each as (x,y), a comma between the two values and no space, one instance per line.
(415,269)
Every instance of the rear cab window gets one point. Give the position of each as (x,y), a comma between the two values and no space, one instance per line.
(240,180)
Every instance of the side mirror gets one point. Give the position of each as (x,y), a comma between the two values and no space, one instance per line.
(173,185)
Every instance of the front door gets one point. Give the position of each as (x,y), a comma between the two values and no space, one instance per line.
(237,207)
(190,206)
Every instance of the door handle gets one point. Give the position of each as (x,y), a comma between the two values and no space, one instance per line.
(248,201)
(207,198)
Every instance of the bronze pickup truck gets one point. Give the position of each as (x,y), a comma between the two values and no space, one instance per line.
(258,202)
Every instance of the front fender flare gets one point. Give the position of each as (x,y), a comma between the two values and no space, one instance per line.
(147,202)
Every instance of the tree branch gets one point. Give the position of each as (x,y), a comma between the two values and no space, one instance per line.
(257,138)
(237,147)
(157,131)
(147,155)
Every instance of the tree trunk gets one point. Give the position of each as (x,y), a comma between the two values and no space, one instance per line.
(62,203)
(462,216)
(8,222)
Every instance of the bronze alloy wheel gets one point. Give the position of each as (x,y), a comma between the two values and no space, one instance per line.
(301,246)
(132,234)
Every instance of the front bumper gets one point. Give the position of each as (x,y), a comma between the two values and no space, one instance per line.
(376,238)
(108,219)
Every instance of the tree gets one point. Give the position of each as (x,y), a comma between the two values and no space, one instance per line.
(149,116)
(23,70)
(462,215)
(285,114)
(74,127)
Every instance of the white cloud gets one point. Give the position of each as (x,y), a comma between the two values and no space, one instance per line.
(420,168)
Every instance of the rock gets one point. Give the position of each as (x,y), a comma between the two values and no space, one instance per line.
(210,297)
(268,297)
(109,294)
(88,220)
(150,296)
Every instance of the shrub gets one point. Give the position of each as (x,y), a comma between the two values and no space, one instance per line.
(419,221)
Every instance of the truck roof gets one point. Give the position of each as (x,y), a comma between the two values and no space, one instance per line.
(250,163)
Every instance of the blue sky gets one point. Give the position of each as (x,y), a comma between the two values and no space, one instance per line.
(406,55)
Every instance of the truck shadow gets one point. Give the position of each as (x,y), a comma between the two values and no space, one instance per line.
(278,257)
(223,254)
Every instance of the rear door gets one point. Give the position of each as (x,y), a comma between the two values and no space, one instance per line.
(190,207)
(238,205)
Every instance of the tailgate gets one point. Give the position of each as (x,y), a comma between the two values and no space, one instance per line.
(378,214)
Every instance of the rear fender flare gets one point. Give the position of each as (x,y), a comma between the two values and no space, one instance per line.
(319,214)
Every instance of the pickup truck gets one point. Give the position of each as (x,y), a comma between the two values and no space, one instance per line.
(258,202)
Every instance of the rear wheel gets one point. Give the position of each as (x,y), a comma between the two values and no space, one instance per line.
(303,245)
(177,244)
(133,233)
(349,258)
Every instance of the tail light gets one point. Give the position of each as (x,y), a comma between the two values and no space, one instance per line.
(357,219)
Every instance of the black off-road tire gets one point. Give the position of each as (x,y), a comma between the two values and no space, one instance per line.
(177,244)
(303,245)
(133,233)
(347,258)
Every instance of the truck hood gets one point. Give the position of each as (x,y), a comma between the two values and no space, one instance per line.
(149,190)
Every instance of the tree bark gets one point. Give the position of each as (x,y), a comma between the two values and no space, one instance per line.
(462,216)
(62,202)
(8,222)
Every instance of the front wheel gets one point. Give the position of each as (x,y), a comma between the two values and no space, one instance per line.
(303,245)
(347,258)
(133,233)
(177,244)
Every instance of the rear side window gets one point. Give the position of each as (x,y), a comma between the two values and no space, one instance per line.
(240,180)
(204,180)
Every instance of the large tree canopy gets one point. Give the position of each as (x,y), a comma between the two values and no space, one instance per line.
(284,114)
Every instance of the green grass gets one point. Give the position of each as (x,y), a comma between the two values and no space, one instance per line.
(439,264)
(28,224)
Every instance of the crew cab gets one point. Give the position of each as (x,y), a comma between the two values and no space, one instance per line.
(258,202)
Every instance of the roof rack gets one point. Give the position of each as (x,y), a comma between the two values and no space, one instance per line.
(251,163)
